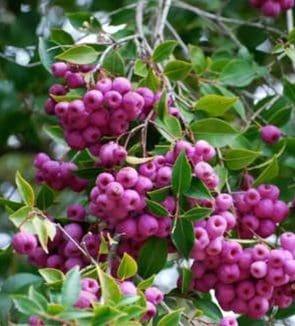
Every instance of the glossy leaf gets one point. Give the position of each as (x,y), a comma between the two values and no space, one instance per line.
(268,173)
(239,158)
(177,69)
(114,63)
(181,174)
(156,208)
(164,50)
(197,213)
(127,267)
(51,275)
(171,319)
(209,308)
(198,190)
(183,236)
(80,54)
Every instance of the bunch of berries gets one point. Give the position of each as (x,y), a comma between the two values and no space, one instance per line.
(272,8)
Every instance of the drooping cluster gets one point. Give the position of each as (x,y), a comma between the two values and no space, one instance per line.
(272,8)
(259,211)
(247,281)
(57,174)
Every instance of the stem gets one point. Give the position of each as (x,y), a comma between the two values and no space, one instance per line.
(178,38)
(160,26)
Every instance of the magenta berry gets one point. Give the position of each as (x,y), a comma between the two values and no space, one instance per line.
(270,134)
(24,243)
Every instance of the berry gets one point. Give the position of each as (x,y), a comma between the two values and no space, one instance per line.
(24,243)
(270,134)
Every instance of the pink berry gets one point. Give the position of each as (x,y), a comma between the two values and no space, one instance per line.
(24,243)
(121,85)
(93,100)
(59,69)
(147,225)
(104,85)
(154,295)
(270,134)
(128,288)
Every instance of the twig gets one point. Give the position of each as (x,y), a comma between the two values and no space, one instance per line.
(165,4)
(178,38)
(29,65)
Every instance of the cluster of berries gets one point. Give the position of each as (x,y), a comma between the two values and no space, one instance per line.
(57,174)
(247,281)
(259,211)
(272,8)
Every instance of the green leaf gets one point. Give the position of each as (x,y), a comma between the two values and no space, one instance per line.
(239,158)
(37,297)
(183,236)
(245,321)
(173,126)
(5,306)
(151,81)
(198,190)
(127,267)
(171,319)
(25,190)
(164,50)
(84,20)
(152,256)
(71,287)
(291,36)
(61,37)
(198,59)
(73,94)
(140,68)
(143,285)
(197,213)
(181,174)
(187,277)
(104,315)
(80,55)
(285,313)
(55,133)
(209,308)
(268,173)
(156,208)
(51,275)
(215,105)
(222,173)
(289,91)
(19,217)
(110,289)
(160,194)
(13,205)
(26,305)
(71,314)
(162,106)
(138,160)
(114,63)
(44,229)
(45,198)
(47,56)
(17,282)
(177,69)
(217,132)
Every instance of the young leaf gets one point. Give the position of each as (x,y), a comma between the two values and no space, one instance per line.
(198,59)
(19,217)
(183,236)
(268,173)
(151,81)
(71,287)
(114,63)
(25,190)
(164,50)
(143,285)
(105,315)
(140,68)
(217,132)
(41,231)
(127,267)
(198,190)
(80,55)
(138,160)
(156,208)
(173,126)
(239,158)
(181,174)
(215,105)
(177,69)
(152,256)
(51,275)
(171,319)
(197,213)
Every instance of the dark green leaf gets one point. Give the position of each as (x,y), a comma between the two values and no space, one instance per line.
(80,54)
(268,173)
(164,50)
(171,319)
(162,106)
(17,282)
(143,285)
(183,236)
(181,174)
(104,315)
(209,308)
(198,190)
(61,37)
(72,95)
(55,133)
(245,321)
(289,91)
(47,56)
(285,313)
(177,69)
(197,213)
(9,203)
(187,277)
(159,195)
(45,197)
(156,208)
(198,59)
(151,81)
(114,63)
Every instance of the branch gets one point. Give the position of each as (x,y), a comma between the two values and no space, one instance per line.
(178,38)
(166,4)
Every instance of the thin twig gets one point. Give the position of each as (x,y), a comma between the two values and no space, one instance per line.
(29,65)
(178,38)
(166,4)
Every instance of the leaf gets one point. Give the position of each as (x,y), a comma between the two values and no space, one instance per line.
(71,288)
(13,205)
(110,289)
(268,173)
(181,174)
(198,59)
(239,158)
(41,230)
(79,54)
(143,285)
(71,314)
(19,217)
(197,213)
(55,133)
(151,81)
(152,256)
(187,277)
(289,91)
(245,321)
(38,298)
(156,208)
(104,315)
(198,190)
(140,68)
(138,160)
(45,198)
(25,190)
(177,69)
(209,308)
(16,283)
(173,126)
(51,275)
(73,94)
(217,132)
(26,305)
(5,306)
(215,105)
(159,194)
(183,236)
(47,56)
(285,313)
(164,50)
(222,173)
(171,319)
(61,37)
(127,267)
(114,63)
(162,106)
(82,20)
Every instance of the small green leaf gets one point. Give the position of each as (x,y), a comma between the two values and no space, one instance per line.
(198,59)
(162,106)
(215,105)
(45,198)
(159,194)
(197,213)
(156,208)
(71,314)
(114,63)
(181,174)
(127,267)
(25,190)
(183,236)
(77,19)
(16,283)
(217,132)
(151,81)
(171,319)
(51,275)
(268,173)
(55,133)
(19,217)
(140,68)
(198,190)
(104,315)
(209,308)
(13,205)
(38,298)
(25,305)
(164,50)
(73,94)
(80,54)
(47,56)
(61,37)
(187,277)
(152,256)
(285,313)
(239,158)
(246,321)
(71,287)
(143,285)
(177,69)
(41,229)
(173,126)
